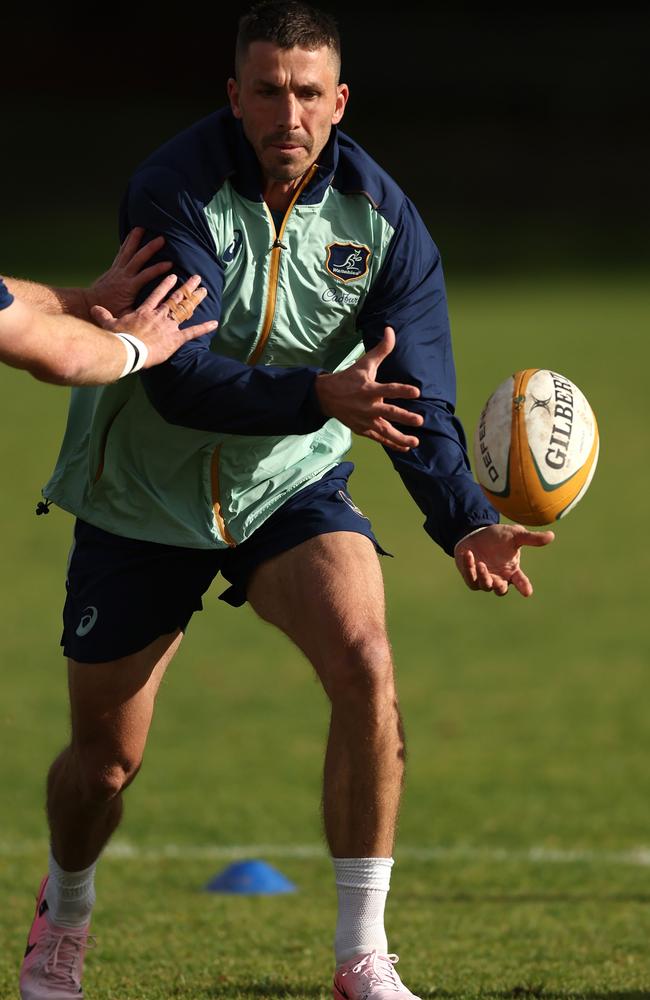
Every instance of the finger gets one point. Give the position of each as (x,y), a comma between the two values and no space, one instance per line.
(196,298)
(102,316)
(191,332)
(499,586)
(129,245)
(388,442)
(184,300)
(393,446)
(393,390)
(183,309)
(380,439)
(160,291)
(467,567)
(535,538)
(392,434)
(135,261)
(376,355)
(484,577)
(399,416)
(187,288)
(149,274)
(522,583)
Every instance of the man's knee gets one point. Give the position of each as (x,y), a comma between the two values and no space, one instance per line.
(103,776)
(362,667)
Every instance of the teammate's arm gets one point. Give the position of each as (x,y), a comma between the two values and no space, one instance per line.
(65,350)
(115,290)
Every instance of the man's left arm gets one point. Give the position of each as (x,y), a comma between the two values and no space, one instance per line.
(409,296)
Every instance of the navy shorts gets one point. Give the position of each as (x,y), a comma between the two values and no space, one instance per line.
(122,593)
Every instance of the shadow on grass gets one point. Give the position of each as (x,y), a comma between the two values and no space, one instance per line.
(524,897)
(533,992)
(274,990)
(278,990)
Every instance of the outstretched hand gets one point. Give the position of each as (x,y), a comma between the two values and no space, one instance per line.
(156,321)
(490,559)
(355,398)
(117,288)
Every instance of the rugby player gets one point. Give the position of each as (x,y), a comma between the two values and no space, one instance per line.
(310,253)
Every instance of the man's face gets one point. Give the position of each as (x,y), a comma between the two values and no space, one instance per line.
(288,100)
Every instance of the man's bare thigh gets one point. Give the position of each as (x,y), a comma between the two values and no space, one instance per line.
(113,702)
(325,594)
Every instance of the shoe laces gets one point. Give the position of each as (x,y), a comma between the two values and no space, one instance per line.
(379,969)
(63,955)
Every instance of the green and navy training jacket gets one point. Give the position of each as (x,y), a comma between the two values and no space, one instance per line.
(200,450)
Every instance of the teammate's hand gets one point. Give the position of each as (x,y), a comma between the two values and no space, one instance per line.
(117,288)
(358,401)
(156,321)
(489,559)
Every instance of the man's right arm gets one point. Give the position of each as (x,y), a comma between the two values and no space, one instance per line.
(200,389)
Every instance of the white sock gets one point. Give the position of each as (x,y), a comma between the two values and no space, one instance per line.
(362,885)
(70,895)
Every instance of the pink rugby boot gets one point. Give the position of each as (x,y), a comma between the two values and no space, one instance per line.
(54,957)
(370,977)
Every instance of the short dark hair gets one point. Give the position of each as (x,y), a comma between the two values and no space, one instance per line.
(287,23)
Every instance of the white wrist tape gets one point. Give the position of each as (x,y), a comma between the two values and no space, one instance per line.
(136,353)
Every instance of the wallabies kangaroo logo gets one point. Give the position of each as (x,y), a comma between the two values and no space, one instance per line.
(347,261)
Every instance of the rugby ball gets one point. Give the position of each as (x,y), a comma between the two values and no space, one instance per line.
(536,447)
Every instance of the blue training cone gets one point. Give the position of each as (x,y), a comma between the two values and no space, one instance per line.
(250,878)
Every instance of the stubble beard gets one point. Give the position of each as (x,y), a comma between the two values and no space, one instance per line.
(277,168)
(285,173)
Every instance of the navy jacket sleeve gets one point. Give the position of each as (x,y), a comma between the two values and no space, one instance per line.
(409,295)
(196,387)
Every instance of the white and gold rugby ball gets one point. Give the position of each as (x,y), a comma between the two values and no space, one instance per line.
(536,447)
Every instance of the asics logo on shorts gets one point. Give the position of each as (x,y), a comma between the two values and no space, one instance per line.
(89,616)
(351,504)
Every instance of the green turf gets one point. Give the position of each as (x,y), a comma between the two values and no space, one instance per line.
(527,722)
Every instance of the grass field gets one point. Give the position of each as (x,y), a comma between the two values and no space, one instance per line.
(522,867)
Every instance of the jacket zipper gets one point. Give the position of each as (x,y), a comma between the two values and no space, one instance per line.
(274,272)
(258,349)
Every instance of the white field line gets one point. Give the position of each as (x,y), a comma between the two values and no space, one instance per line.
(125,850)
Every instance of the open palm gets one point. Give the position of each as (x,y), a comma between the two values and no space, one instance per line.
(489,559)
